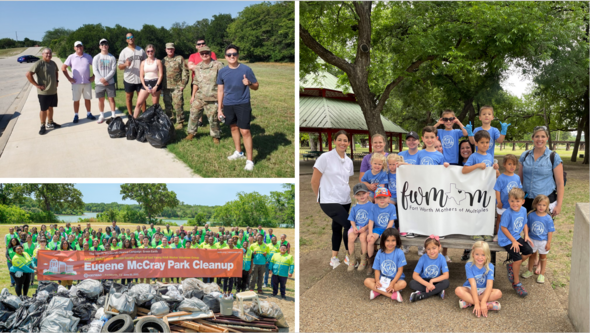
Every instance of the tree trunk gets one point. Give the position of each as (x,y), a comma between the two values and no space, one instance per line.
(312,142)
(581,125)
(586,142)
(546,118)
(467,108)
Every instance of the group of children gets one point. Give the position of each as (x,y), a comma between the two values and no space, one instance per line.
(374,217)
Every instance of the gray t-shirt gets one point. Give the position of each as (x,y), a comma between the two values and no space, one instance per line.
(131,74)
(105,67)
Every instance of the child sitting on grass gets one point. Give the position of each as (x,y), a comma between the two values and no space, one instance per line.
(359,218)
(431,275)
(540,229)
(389,268)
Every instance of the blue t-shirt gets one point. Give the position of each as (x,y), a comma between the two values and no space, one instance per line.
(504,184)
(494,135)
(410,159)
(430,158)
(389,263)
(361,214)
(481,279)
(514,222)
(450,144)
(431,268)
(369,177)
(234,90)
(382,216)
(540,226)
(392,185)
(476,158)
(537,176)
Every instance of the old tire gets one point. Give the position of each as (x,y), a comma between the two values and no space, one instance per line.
(119,324)
(144,325)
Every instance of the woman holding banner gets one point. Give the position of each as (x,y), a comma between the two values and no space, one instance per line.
(21,270)
(331,173)
(541,172)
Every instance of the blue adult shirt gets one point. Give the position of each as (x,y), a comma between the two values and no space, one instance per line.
(538,175)
(392,185)
(234,90)
(389,263)
(361,214)
(504,184)
(450,143)
(540,226)
(477,158)
(430,158)
(382,216)
(431,268)
(480,276)
(514,222)
(410,159)
(380,178)
(494,135)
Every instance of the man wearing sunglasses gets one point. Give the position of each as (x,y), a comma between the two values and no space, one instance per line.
(80,63)
(175,79)
(233,98)
(130,60)
(46,84)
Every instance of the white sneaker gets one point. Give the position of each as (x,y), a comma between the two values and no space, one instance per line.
(405,249)
(448,258)
(236,156)
(100,119)
(347,261)
(249,166)
(397,296)
(373,294)
(335,262)
(420,250)
(264,285)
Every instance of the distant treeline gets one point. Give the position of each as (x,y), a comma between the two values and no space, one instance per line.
(9,43)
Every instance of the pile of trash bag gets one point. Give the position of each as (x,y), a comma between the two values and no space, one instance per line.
(152,126)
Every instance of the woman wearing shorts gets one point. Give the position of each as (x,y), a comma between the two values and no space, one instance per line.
(331,173)
(151,74)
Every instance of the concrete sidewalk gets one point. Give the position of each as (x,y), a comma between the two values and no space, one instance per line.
(82,150)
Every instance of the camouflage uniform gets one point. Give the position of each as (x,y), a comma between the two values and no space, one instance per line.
(175,78)
(206,97)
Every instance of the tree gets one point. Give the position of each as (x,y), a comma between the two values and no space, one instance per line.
(152,197)
(11,194)
(250,209)
(55,34)
(51,197)
(199,220)
(217,37)
(283,205)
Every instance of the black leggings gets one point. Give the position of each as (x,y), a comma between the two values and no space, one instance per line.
(340,223)
(228,284)
(22,283)
(438,287)
(243,282)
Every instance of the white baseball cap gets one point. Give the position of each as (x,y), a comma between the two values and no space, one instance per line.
(102,40)
(78,43)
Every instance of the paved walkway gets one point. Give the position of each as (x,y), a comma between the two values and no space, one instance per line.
(82,150)
(339,302)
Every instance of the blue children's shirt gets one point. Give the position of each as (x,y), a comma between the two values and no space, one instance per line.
(450,144)
(476,158)
(514,222)
(392,185)
(540,226)
(430,158)
(504,184)
(410,159)
(431,268)
(382,216)
(481,279)
(361,214)
(494,135)
(380,178)
(389,263)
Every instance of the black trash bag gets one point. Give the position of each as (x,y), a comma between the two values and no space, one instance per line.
(117,128)
(17,318)
(33,320)
(142,130)
(106,286)
(4,315)
(49,286)
(83,309)
(149,114)
(194,294)
(100,301)
(131,128)
(84,329)
(212,302)
(118,288)
(158,135)
(63,293)
(164,120)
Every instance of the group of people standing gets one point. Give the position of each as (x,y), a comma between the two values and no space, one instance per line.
(221,93)
(537,187)
(264,255)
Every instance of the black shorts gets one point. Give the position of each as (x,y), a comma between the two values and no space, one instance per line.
(525,249)
(131,87)
(151,83)
(47,101)
(240,114)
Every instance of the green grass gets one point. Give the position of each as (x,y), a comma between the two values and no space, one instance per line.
(5,53)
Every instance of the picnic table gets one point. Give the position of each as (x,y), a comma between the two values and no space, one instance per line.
(312,154)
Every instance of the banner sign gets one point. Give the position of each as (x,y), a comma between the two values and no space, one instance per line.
(138,263)
(443,201)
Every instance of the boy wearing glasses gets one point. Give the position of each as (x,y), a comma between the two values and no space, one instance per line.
(449,137)
(104,65)
(233,97)
(130,60)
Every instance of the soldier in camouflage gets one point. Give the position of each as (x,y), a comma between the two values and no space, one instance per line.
(175,79)
(204,97)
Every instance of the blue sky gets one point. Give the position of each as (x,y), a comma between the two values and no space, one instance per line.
(192,194)
(32,19)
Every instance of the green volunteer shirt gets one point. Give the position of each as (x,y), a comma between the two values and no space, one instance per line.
(259,252)
(29,248)
(46,76)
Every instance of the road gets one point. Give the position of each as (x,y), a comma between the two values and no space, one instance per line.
(13,77)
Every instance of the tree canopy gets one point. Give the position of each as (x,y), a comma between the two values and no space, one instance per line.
(152,197)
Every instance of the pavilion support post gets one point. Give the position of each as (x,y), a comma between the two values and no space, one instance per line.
(370,144)
(329,140)
(526,146)
(320,140)
(351,146)
(399,142)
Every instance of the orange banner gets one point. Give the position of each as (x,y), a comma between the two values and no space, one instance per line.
(138,263)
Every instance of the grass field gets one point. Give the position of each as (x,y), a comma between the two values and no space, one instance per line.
(5,53)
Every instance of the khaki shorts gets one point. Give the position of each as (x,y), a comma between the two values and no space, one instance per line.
(81,90)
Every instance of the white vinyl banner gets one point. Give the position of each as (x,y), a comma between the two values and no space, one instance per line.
(443,201)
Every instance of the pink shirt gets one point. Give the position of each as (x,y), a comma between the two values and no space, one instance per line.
(80,67)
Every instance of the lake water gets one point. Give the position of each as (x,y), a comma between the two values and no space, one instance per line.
(74,218)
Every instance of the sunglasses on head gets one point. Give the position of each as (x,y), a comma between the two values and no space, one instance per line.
(544,128)
(448,119)
(234,54)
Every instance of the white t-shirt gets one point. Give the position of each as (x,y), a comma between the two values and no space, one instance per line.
(131,74)
(336,172)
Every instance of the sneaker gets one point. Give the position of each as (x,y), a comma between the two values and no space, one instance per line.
(448,258)
(100,119)
(526,274)
(334,262)
(420,251)
(373,294)
(249,166)
(283,297)
(346,260)
(541,278)
(510,272)
(416,296)
(405,249)
(410,235)
(264,286)
(397,297)
(519,290)
(463,304)
(236,156)
(442,294)
(495,239)
(43,130)
(403,234)
(91,117)
(477,238)
(488,238)
(53,125)
(75,121)
(49,126)
(494,306)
